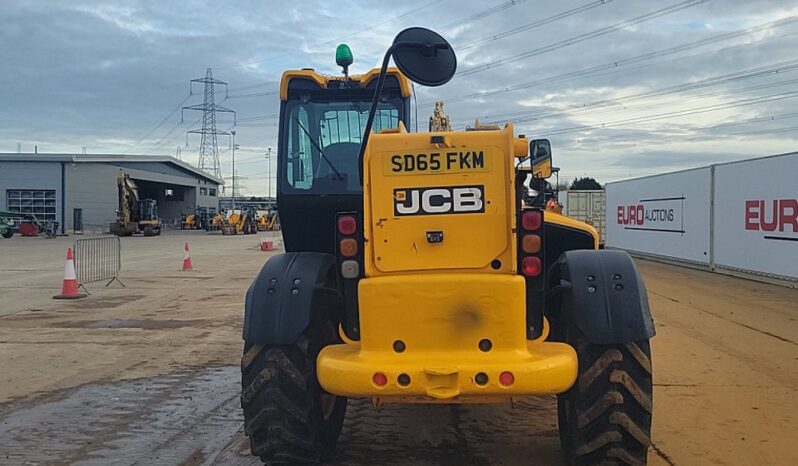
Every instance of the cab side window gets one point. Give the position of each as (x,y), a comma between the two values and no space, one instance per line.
(300,157)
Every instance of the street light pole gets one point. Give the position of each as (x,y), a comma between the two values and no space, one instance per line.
(269,176)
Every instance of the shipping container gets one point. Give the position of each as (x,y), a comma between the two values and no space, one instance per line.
(663,215)
(589,207)
(738,217)
(755,225)
(562,198)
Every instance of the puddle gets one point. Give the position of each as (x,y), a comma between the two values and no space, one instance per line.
(145,324)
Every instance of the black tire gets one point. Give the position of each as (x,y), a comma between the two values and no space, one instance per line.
(288,417)
(605,418)
(8,234)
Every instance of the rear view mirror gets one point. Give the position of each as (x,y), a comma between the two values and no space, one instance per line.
(540,157)
(424,56)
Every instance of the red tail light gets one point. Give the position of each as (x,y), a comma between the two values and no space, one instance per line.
(506,378)
(531,220)
(347,225)
(531,266)
(379,379)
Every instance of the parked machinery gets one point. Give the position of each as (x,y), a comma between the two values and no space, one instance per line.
(199,220)
(203,218)
(5,226)
(415,273)
(240,222)
(268,220)
(188,222)
(439,121)
(134,215)
(217,221)
(149,223)
(27,225)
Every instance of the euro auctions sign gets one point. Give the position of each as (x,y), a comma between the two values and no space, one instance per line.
(664,215)
(756,215)
(655,214)
(777,218)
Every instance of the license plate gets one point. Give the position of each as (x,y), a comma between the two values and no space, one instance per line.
(435,162)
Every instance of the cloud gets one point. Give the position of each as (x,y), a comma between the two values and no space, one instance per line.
(125,18)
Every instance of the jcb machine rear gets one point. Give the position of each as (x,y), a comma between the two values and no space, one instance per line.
(415,272)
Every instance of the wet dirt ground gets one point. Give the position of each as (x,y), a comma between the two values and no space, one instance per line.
(193,417)
(148,374)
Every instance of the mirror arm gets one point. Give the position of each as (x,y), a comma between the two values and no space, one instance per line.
(374,102)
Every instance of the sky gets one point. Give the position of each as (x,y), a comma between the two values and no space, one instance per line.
(622,88)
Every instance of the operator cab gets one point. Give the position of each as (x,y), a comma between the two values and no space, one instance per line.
(322,121)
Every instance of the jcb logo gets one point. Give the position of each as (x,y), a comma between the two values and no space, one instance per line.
(436,201)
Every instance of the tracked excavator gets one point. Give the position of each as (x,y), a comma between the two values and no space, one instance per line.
(134,215)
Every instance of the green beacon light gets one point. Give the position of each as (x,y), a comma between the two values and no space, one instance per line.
(343,58)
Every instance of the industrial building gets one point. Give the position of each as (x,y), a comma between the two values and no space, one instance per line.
(80,191)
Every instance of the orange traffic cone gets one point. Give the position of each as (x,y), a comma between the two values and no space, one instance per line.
(187,259)
(69,289)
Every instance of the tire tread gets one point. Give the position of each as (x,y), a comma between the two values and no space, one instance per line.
(606,416)
(280,399)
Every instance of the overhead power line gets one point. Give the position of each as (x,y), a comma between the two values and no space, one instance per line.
(789,129)
(755,72)
(535,24)
(253,86)
(167,138)
(583,37)
(720,93)
(755,120)
(635,138)
(335,41)
(253,94)
(484,13)
(175,108)
(389,20)
(617,64)
(702,138)
(257,125)
(259,117)
(460,22)
(679,113)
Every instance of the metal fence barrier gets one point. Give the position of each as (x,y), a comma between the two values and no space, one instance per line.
(98,259)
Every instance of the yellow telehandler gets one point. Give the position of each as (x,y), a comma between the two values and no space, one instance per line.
(414,272)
